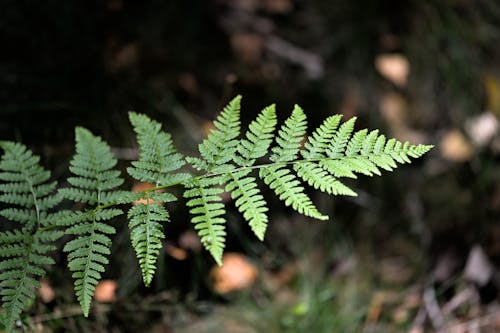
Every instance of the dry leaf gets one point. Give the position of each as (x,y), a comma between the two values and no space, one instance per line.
(140,187)
(393,107)
(247,46)
(236,273)
(105,291)
(46,292)
(394,67)
(455,147)
(176,252)
(189,240)
(483,128)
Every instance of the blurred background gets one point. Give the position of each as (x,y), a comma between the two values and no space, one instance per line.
(418,249)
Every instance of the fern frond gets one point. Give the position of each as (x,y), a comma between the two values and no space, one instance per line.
(319,178)
(24,250)
(158,158)
(220,145)
(207,210)
(216,151)
(320,140)
(365,152)
(94,183)
(146,235)
(339,141)
(243,188)
(279,177)
(158,161)
(258,138)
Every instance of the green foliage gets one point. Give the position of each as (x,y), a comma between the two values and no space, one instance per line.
(24,249)
(279,177)
(204,193)
(226,163)
(94,184)
(157,161)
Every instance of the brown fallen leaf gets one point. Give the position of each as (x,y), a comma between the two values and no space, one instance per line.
(455,147)
(46,292)
(393,67)
(105,291)
(394,109)
(483,128)
(247,46)
(140,187)
(189,240)
(176,252)
(236,273)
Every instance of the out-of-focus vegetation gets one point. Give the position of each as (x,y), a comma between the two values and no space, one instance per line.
(396,259)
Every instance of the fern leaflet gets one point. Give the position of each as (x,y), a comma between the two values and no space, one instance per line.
(25,249)
(204,193)
(243,188)
(279,177)
(94,184)
(157,162)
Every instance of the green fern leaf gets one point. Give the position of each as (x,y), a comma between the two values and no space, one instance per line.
(158,157)
(216,151)
(279,177)
(221,144)
(365,152)
(315,148)
(207,210)
(243,188)
(158,161)
(24,251)
(146,235)
(321,138)
(93,183)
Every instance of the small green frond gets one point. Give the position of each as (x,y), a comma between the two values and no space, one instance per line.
(258,138)
(158,157)
(319,141)
(290,137)
(220,145)
(339,141)
(158,161)
(287,187)
(320,179)
(94,183)
(365,152)
(207,210)
(146,234)
(24,251)
(278,177)
(249,201)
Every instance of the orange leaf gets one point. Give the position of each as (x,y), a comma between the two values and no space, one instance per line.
(105,291)
(236,273)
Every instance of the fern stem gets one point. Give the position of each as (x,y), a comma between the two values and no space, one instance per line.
(214,174)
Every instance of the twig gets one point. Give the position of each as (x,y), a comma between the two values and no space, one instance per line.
(432,308)
(463,297)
